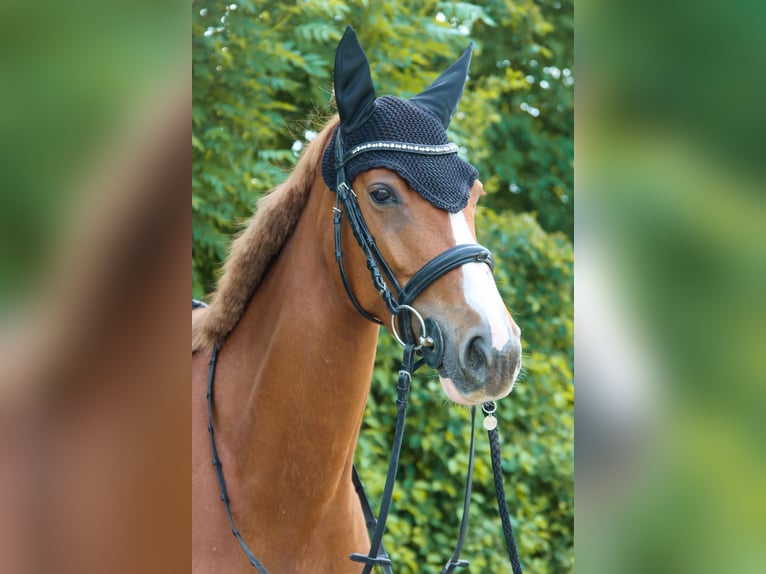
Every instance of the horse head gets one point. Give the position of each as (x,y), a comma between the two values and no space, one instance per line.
(409,201)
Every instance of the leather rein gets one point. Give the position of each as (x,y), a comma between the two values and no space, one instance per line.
(429,347)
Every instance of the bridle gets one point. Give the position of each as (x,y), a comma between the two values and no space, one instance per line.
(402,298)
(429,346)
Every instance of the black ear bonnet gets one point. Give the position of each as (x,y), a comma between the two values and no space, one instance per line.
(443,180)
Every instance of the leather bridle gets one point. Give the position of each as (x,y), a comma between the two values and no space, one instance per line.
(396,298)
(430,343)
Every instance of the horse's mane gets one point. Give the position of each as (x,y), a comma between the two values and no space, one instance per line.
(257,246)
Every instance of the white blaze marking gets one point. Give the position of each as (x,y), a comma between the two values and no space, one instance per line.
(479,287)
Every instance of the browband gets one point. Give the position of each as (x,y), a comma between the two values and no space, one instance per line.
(437,149)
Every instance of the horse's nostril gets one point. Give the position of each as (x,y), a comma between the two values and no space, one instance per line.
(475,356)
(484,370)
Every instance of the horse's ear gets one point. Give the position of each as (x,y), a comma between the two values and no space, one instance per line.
(354,92)
(443,95)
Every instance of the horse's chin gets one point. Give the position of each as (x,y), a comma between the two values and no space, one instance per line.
(454,394)
(475,398)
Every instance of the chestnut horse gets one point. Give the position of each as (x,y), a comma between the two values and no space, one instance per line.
(296,358)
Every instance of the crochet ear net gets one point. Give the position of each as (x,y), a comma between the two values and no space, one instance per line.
(443,95)
(444,180)
(355,92)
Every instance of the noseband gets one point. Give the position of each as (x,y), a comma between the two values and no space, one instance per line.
(429,344)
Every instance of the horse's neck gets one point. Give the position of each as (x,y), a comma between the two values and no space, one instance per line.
(294,376)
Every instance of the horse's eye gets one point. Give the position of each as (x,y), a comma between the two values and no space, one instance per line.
(381,195)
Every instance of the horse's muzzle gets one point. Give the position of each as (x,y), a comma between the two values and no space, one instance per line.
(478,370)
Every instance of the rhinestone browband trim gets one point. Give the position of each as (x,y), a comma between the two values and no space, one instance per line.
(441,149)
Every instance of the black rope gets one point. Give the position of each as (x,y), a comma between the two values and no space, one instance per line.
(502,505)
(454,561)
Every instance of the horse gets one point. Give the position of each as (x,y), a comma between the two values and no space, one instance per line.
(294,324)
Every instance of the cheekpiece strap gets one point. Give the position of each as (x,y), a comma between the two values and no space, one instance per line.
(440,149)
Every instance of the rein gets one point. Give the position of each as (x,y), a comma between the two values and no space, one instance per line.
(429,346)
(254,562)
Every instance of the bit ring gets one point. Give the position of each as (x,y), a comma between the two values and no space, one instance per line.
(423,340)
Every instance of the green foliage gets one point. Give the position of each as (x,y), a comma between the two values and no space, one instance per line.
(262,82)
(257,68)
(527,59)
(534,271)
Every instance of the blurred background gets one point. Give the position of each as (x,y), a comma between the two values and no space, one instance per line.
(95,101)
(77,80)
(262,83)
(671,273)
(671,264)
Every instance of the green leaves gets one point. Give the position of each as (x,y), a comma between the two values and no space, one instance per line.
(464,13)
(318,32)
